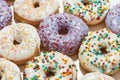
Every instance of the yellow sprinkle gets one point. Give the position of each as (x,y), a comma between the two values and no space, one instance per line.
(88,59)
(106,58)
(27,66)
(90,33)
(88,44)
(83,62)
(83,8)
(105,7)
(11,77)
(119,50)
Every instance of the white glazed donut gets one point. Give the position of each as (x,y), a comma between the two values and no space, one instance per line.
(100,51)
(26,10)
(50,66)
(96,76)
(28,42)
(93,12)
(9,70)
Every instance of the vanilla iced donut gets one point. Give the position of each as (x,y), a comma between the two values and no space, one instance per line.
(33,11)
(92,11)
(9,70)
(19,42)
(96,76)
(100,51)
(50,66)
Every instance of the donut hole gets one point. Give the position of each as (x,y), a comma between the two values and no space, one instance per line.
(86,2)
(63,31)
(17,40)
(104,50)
(1,72)
(36,5)
(50,73)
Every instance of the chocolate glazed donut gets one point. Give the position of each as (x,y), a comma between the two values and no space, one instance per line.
(62,32)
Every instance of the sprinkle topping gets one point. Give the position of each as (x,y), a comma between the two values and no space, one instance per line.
(50,67)
(100,51)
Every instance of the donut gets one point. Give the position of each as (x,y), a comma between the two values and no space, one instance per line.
(5,14)
(19,42)
(96,76)
(49,66)
(9,70)
(113,19)
(33,11)
(100,51)
(91,11)
(62,32)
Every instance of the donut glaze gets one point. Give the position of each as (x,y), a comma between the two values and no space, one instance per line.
(92,11)
(62,67)
(9,70)
(28,42)
(113,19)
(25,10)
(5,14)
(100,51)
(67,43)
(96,76)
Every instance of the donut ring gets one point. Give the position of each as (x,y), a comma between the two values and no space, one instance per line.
(9,70)
(28,42)
(113,19)
(96,76)
(40,67)
(53,40)
(100,51)
(92,13)
(33,11)
(5,14)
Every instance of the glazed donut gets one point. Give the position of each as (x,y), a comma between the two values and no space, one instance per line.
(113,19)
(92,11)
(19,42)
(5,14)
(50,66)
(9,70)
(100,51)
(33,11)
(96,76)
(53,40)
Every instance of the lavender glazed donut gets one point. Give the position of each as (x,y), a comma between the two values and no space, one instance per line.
(113,19)
(53,40)
(5,14)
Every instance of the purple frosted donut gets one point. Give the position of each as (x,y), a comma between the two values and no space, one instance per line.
(113,19)
(5,14)
(51,33)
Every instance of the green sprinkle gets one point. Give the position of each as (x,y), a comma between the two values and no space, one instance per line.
(91,62)
(34,78)
(96,58)
(82,53)
(94,37)
(103,70)
(70,10)
(118,35)
(60,77)
(119,65)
